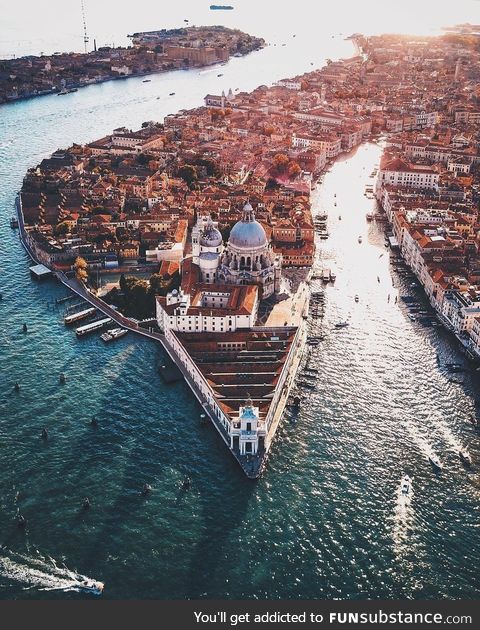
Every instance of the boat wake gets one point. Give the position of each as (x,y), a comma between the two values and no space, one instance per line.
(402,518)
(423,445)
(45,575)
(450,438)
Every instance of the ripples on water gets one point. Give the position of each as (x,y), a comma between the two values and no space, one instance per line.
(326,520)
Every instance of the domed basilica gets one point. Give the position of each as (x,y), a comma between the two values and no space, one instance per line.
(248,257)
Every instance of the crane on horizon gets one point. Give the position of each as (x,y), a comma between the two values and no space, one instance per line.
(85,36)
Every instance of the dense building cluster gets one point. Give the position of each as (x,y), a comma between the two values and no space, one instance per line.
(216,202)
(158,51)
(429,177)
(133,197)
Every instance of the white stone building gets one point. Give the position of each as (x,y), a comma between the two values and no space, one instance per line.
(249,258)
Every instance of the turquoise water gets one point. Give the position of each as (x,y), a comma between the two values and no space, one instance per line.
(326,520)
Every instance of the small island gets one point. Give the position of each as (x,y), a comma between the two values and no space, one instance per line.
(151,52)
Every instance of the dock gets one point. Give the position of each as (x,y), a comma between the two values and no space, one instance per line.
(40,272)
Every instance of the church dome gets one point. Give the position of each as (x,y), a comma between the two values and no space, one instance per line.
(211,237)
(248,233)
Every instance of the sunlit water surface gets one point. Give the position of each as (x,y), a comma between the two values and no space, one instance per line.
(328,519)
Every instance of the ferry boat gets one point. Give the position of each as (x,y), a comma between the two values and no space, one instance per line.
(406,485)
(89,328)
(114,333)
(75,317)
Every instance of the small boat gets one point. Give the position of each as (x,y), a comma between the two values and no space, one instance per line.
(333,277)
(92,586)
(114,333)
(406,485)
(356,298)
(436,463)
(339,217)
(369,216)
(146,80)
(172,94)
(14,222)
(306,384)
(465,457)
(412,317)
(341,325)
(360,239)
(62,378)
(378,278)
(220,75)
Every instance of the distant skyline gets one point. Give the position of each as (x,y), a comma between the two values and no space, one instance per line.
(109,22)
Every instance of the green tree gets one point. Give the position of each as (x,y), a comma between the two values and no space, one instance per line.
(188,173)
(61,229)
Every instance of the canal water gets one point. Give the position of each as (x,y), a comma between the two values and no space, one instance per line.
(327,520)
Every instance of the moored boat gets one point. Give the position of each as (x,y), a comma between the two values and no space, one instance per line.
(114,333)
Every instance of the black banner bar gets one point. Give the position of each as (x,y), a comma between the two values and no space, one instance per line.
(213,615)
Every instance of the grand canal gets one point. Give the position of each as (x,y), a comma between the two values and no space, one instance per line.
(326,520)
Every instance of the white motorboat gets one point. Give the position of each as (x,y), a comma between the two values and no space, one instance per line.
(114,333)
(465,457)
(92,586)
(406,485)
(436,463)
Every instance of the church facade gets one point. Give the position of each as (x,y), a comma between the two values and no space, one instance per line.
(247,259)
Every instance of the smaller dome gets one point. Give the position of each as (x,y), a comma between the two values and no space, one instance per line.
(211,237)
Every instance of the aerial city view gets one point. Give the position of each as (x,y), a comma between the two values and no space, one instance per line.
(240,301)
